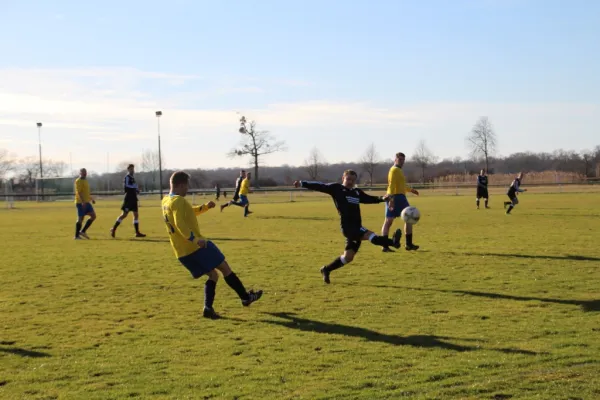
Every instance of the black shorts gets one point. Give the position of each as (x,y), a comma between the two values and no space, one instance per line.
(482,193)
(130,205)
(354,238)
(513,198)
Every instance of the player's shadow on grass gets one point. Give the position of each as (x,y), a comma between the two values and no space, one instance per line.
(586,305)
(568,257)
(21,352)
(424,341)
(294,217)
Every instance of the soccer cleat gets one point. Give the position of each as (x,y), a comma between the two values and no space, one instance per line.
(223,206)
(83,234)
(387,250)
(140,235)
(252,297)
(411,247)
(210,313)
(77,238)
(325,274)
(112,232)
(396,238)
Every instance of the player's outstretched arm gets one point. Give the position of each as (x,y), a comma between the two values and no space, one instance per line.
(368,199)
(316,186)
(203,208)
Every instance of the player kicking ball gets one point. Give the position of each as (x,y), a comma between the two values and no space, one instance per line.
(199,255)
(347,199)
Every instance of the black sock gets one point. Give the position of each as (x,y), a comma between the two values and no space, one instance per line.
(477,202)
(77,228)
(381,241)
(87,225)
(335,264)
(136,225)
(387,238)
(234,282)
(409,239)
(486,203)
(510,208)
(210,288)
(117,223)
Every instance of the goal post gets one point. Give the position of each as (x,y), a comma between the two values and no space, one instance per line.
(9,195)
(55,188)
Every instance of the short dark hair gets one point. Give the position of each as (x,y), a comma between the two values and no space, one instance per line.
(398,155)
(350,172)
(130,166)
(179,178)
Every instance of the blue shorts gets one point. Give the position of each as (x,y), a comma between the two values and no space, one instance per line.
(83,211)
(243,199)
(203,260)
(400,203)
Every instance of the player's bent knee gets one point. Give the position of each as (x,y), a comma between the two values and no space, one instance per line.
(224,268)
(213,276)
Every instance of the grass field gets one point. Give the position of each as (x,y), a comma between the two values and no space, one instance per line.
(491,306)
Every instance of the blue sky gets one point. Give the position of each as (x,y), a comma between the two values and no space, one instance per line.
(333,74)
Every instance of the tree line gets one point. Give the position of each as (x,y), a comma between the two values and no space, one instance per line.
(422,164)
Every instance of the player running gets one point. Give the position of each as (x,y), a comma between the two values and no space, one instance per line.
(130,203)
(515,187)
(347,200)
(199,255)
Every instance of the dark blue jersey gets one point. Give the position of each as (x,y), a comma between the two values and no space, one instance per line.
(482,181)
(347,201)
(130,187)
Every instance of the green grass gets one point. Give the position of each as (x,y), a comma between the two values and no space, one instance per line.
(491,307)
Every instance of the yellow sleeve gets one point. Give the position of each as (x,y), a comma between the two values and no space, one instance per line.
(200,209)
(182,220)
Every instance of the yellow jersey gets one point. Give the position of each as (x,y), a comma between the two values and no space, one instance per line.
(82,191)
(397,181)
(245,188)
(182,225)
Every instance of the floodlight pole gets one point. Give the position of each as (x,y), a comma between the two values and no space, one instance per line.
(39,126)
(158,115)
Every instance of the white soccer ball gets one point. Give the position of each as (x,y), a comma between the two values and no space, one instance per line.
(411,215)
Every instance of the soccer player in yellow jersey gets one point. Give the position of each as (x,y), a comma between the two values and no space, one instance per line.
(199,255)
(397,189)
(243,193)
(83,202)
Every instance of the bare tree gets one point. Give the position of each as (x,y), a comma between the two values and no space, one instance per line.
(27,170)
(369,161)
(482,141)
(54,169)
(7,163)
(255,144)
(122,166)
(150,165)
(314,163)
(424,157)
(587,157)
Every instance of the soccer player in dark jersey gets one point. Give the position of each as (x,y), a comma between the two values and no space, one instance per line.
(198,254)
(482,188)
(240,197)
(130,203)
(515,187)
(347,200)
